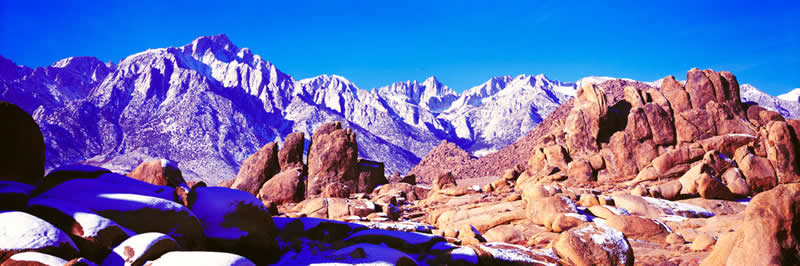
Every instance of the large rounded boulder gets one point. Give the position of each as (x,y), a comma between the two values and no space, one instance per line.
(125,201)
(201,258)
(21,146)
(138,249)
(21,232)
(593,244)
(236,221)
(769,234)
(285,187)
(93,234)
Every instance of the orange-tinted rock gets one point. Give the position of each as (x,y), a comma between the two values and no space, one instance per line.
(593,244)
(637,124)
(718,162)
(641,228)
(257,169)
(332,157)
(677,96)
(769,231)
(158,172)
(693,125)
(291,154)
(757,171)
(734,100)
(447,156)
(622,162)
(443,181)
(660,124)
(632,96)
(580,171)
(782,152)
(735,182)
(557,156)
(700,88)
(675,161)
(668,191)
(227,183)
(727,144)
(285,187)
(371,175)
(581,132)
(335,190)
(543,211)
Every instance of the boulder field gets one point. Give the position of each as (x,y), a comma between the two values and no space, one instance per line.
(623,174)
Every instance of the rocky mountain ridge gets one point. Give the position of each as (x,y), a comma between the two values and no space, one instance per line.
(624,173)
(208,104)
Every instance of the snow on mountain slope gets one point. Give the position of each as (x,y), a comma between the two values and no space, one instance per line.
(787,108)
(209,104)
(793,95)
(500,111)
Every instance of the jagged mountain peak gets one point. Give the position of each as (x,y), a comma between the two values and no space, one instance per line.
(328,80)
(77,60)
(219,45)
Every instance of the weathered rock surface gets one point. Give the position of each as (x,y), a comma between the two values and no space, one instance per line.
(159,172)
(291,154)
(285,187)
(332,157)
(235,221)
(370,175)
(257,169)
(593,244)
(138,249)
(769,227)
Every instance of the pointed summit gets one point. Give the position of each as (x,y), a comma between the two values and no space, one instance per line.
(219,45)
(431,79)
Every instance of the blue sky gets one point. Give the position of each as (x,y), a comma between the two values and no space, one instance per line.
(463,43)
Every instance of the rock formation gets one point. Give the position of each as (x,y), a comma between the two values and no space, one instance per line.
(332,157)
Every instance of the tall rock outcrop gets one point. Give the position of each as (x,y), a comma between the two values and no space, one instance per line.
(257,169)
(332,158)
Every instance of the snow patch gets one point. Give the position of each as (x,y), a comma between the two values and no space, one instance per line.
(464,253)
(201,258)
(22,231)
(515,253)
(610,239)
(412,238)
(678,208)
(404,226)
(45,259)
(90,222)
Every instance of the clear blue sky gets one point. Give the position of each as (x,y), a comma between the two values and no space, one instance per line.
(463,43)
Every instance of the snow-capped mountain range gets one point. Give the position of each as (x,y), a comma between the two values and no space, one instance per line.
(209,104)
